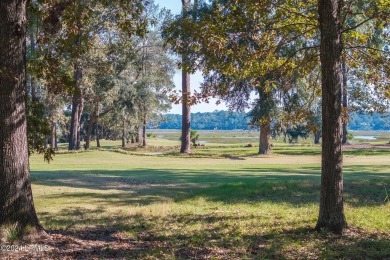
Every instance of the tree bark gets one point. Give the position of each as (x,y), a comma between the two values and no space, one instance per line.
(16,200)
(186,92)
(331,214)
(345,103)
(76,110)
(265,134)
(266,100)
(186,115)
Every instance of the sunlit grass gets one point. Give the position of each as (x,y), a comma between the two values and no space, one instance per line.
(189,207)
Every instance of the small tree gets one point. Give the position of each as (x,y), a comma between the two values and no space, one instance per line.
(194,135)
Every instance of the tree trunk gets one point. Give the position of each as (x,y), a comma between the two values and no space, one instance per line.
(89,131)
(317,136)
(79,123)
(97,126)
(186,92)
(76,110)
(266,100)
(186,115)
(53,136)
(102,126)
(123,134)
(144,133)
(265,134)
(345,103)
(331,214)
(16,200)
(137,134)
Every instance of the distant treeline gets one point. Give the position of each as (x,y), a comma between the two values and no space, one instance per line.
(224,120)
(221,120)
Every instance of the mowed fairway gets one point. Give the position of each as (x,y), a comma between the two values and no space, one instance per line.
(103,204)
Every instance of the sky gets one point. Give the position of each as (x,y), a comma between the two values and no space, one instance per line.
(196,79)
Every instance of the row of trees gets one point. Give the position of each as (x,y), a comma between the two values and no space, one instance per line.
(241,48)
(92,66)
(304,56)
(93,77)
(225,120)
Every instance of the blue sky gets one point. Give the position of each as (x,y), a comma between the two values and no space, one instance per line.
(196,79)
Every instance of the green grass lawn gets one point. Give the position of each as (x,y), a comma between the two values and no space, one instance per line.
(116,205)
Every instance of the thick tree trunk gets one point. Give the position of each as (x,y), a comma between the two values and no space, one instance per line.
(144,133)
(92,120)
(345,103)
(266,100)
(265,135)
(331,214)
(16,200)
(186,115)
(77,101)
(186,92)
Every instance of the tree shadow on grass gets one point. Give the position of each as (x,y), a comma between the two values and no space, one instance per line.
(221,236)
(364,185)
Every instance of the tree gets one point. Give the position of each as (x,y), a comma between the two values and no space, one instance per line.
(331,214)
(71,27)
(186,90)
(16,200)
(194,137)
(286,40)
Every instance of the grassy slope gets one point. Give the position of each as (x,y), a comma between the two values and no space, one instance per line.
(203,207)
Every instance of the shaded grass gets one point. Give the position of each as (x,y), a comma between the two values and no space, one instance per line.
(168,207)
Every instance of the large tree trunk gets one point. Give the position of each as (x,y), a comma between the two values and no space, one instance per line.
(186,115)
(266,100)
(331,214)
(16,200)
(345,103)
(77,101)
(186,92)
(265,134)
